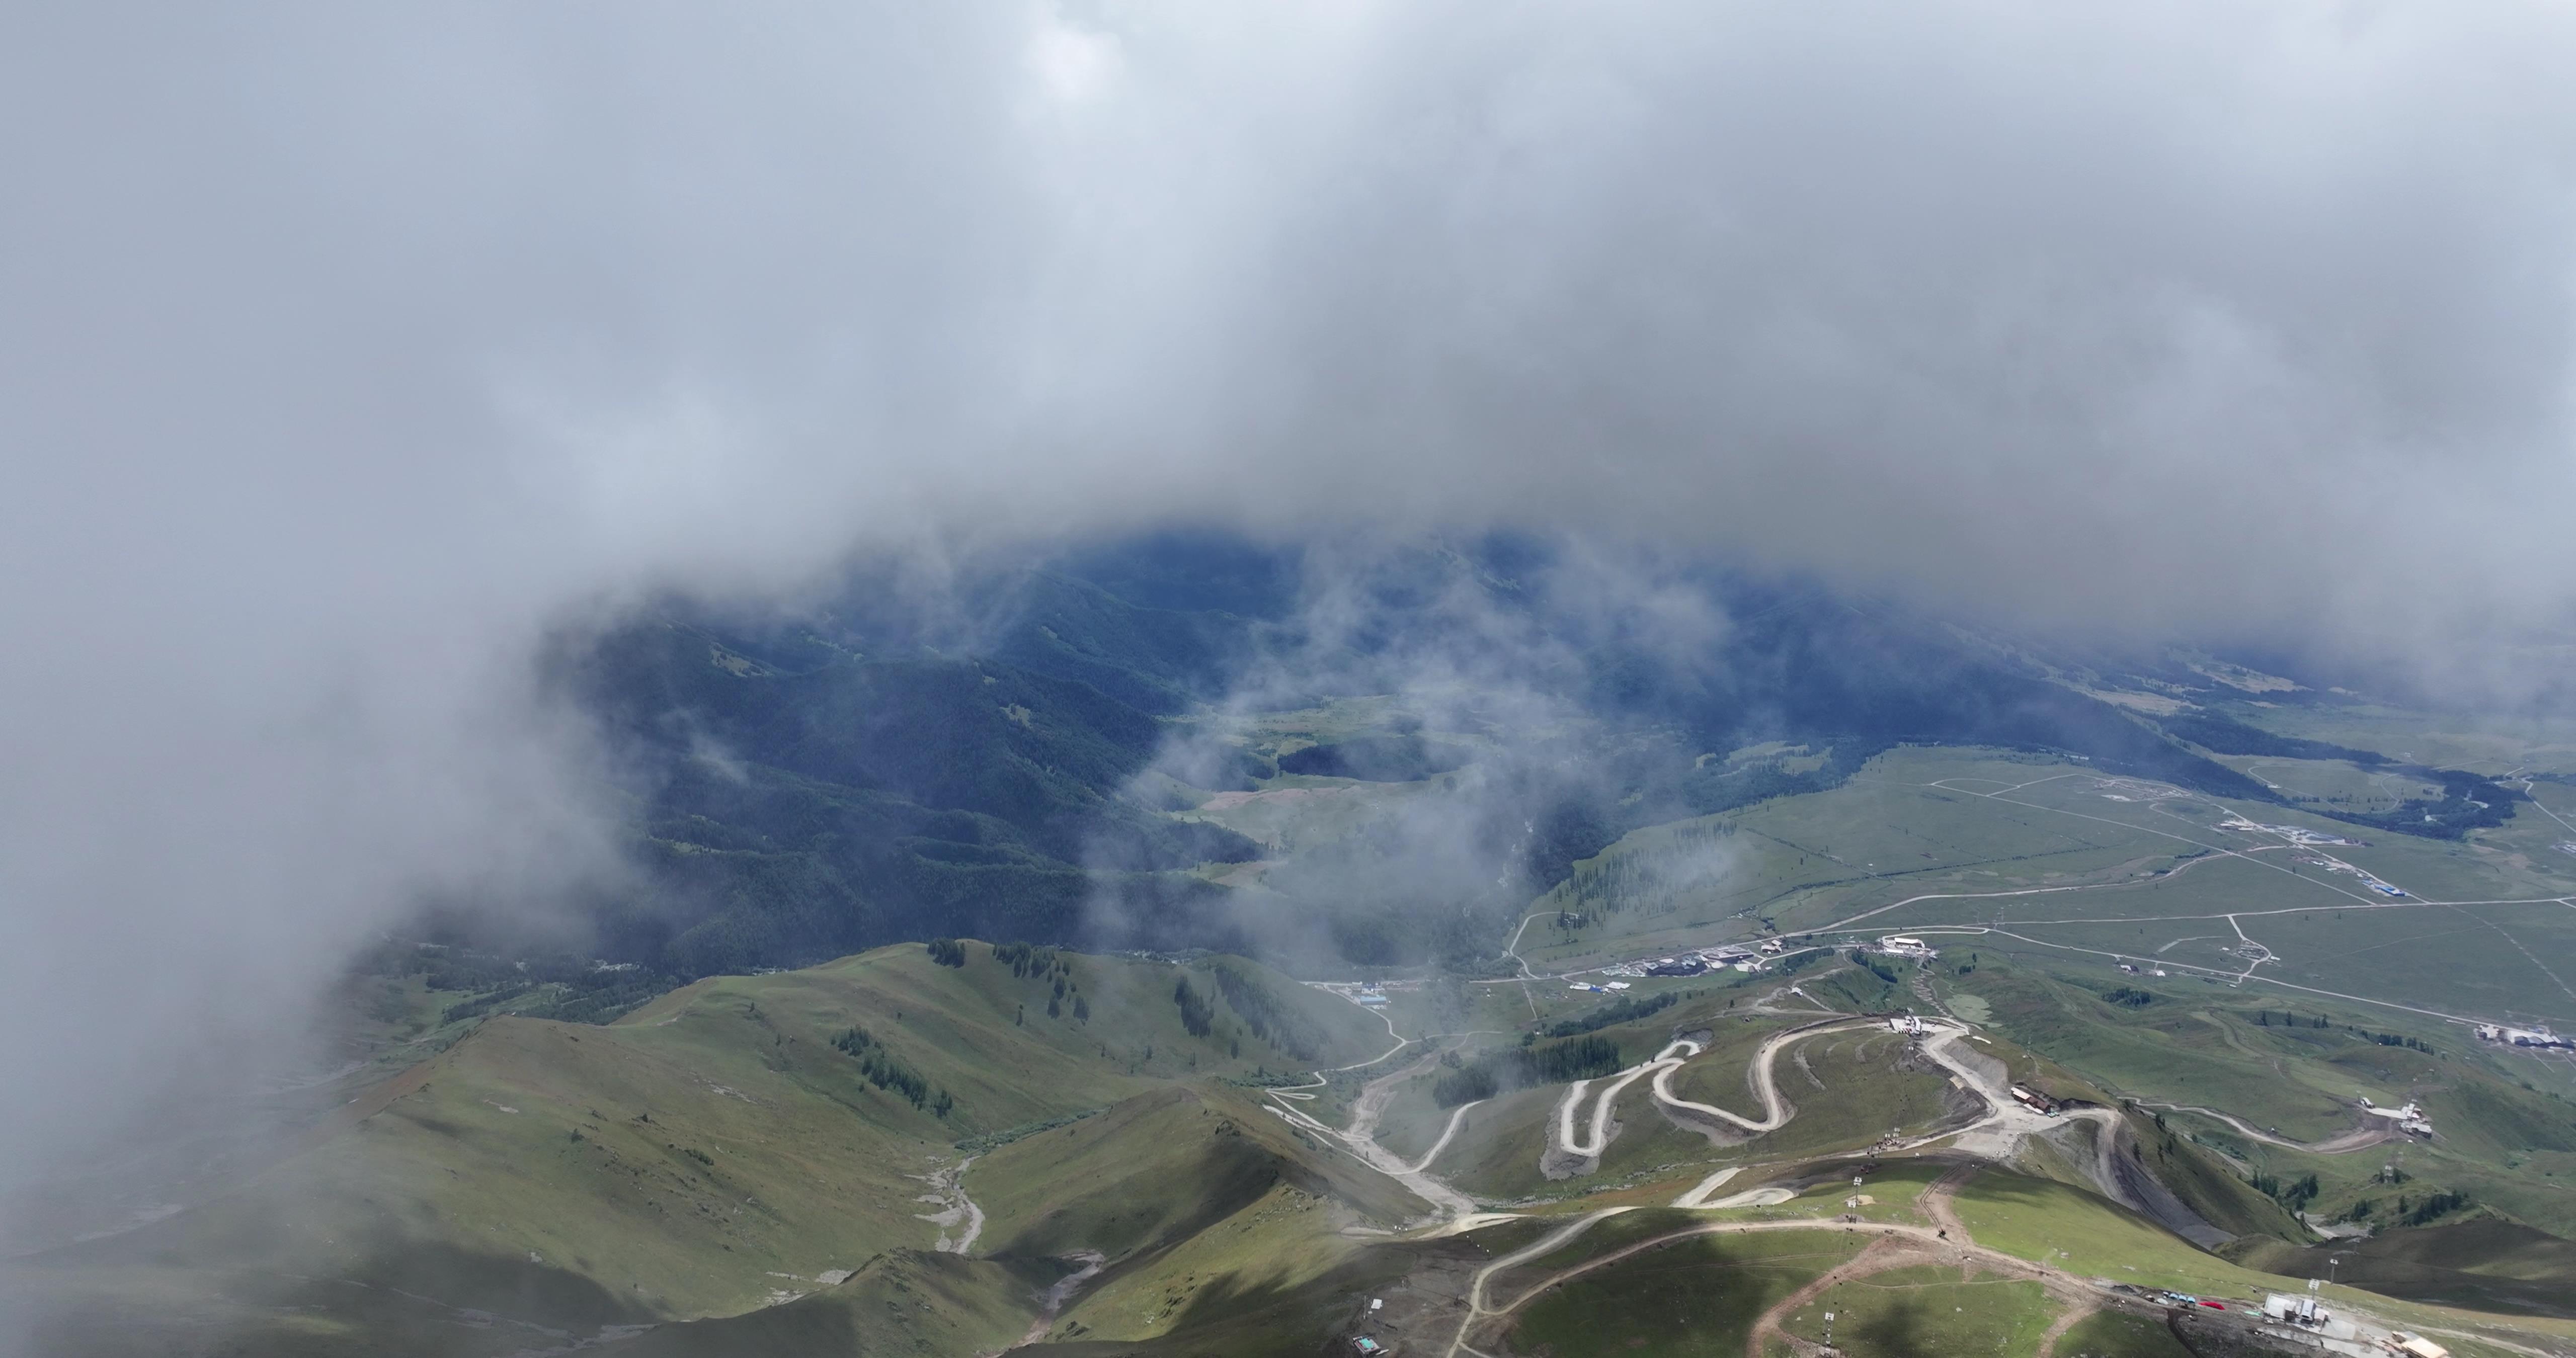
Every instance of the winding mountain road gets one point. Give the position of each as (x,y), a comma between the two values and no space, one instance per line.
(2360,1138)
(1588,1143)
(1360,1138)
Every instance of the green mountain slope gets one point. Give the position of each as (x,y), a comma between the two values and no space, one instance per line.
(740,1138)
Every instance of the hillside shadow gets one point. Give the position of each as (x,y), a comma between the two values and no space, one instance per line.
(487,1282)
(2482,1265)
(1896,1332)
(1234,1317)
(398,1299)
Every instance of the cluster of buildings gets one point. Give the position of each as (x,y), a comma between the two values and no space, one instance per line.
(2409,1119)
(2522,1037)
(1699,961)
(2296,834)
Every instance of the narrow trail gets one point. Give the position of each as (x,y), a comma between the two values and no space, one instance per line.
(1898,1245)
(1776,1111)
(1877,1256)
(1566,1142)
(1360,1138)
(1946,1240)
(2068,1319)
(1697,1195)
(2228,1035)
(1572,1139)
(1539,1249)
(1443,1143)
(1939,1202)
(1324,1077)
(2360,1138)
(1562,1138)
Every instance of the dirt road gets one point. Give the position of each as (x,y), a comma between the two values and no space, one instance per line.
(1897,1245)
(1570,1143)
(2360,1138)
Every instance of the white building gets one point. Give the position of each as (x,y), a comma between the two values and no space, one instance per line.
(2295,1309)
(2409,1119)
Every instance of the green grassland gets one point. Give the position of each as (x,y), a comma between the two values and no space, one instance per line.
(1544,1003)
(2145,877)
(1909,1311)
(715,1161)
(2485,1265)
(2187,1045)
(1890,834)
(1848,1088)
(1802,860)
(904,1304)
(1497,1151)
(716,1148)
(1496,1154)
(1272,1279)
(2117,1334)
(1294,811)
(1159,1169)
(1267,1279)
(2045,1221)
(1720,1073)
(2164,898)
(1821,1189)
(83,1309)
(2333,784)
(1869,1088)
(2448,740)
(1695,1296)
(1279,1278)
(2509,1147)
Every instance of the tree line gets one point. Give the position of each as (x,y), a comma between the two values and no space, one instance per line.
(1500,1072)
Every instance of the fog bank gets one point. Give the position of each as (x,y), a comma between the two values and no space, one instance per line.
(346,354)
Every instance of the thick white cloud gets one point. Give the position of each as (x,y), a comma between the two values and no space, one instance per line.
(345,350)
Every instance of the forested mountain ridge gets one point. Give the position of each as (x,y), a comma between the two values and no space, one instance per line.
(794,814)
(1003,763)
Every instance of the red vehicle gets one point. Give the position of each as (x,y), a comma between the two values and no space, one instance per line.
(2215,1305)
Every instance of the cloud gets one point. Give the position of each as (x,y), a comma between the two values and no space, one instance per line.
(346,354)
(1479,711)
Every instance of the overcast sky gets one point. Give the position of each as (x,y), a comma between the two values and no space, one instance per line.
(344,350)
